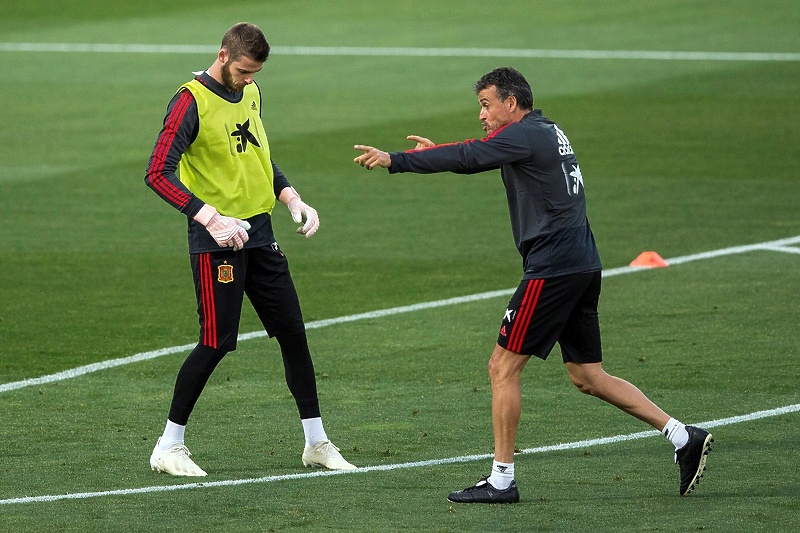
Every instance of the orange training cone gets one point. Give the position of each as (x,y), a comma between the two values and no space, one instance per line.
(649,260)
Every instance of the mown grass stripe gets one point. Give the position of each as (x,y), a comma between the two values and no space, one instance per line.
(657,55)
(778,245)
(396,466)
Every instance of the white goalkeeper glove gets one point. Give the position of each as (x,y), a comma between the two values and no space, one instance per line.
(227,231)
(301,211)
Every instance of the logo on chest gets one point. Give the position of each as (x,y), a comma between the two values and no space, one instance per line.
(244,137)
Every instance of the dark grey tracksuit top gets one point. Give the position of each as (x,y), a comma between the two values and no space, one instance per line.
(543,184)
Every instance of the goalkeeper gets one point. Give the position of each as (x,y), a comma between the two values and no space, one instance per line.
(213,138)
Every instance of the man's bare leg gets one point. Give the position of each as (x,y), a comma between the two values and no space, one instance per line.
(591,378)
(505,368)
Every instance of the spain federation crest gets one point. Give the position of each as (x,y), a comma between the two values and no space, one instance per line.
(225,273)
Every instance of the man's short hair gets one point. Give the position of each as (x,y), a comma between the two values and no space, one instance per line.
(245,39)
(508,82)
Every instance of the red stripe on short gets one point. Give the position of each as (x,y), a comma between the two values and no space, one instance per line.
(207,301)
(524,315)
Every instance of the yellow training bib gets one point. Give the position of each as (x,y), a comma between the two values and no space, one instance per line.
(228,166)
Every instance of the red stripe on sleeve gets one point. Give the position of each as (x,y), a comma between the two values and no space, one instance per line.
(468,141)
(156,171)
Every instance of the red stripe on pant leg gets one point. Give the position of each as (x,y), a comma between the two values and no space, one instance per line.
(513,338)
(203,299)
(212,305)
(207,301)
(531,309)
(525,314)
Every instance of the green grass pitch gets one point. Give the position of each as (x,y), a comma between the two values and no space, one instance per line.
(679,156)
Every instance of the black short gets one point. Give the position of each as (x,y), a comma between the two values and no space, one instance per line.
(561,309)
(222,279)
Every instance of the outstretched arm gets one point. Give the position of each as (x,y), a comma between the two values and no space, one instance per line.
(373,157)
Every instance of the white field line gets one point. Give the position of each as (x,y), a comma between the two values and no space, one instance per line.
(357,51)
(396,466)
(781,245)
(787,249)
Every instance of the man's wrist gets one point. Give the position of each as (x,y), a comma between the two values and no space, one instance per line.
(205,214)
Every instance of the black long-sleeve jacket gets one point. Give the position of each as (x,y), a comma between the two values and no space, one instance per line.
(544,187)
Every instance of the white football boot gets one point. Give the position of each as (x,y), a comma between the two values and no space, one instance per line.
(175,461)
(325,455)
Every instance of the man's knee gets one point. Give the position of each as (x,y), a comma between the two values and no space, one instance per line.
(582,385)
(585,378)
(504,364)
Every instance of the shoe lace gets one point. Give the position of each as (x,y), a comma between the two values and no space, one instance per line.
(482,483)
(325,447)
(180,450)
